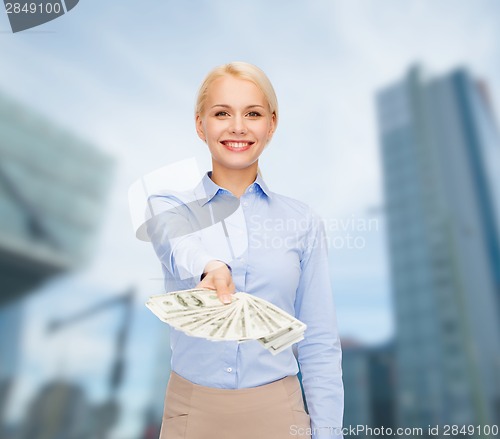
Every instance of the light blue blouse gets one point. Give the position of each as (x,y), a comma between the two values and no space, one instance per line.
(276,247)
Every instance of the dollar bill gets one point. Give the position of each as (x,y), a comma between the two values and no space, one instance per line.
(200,313)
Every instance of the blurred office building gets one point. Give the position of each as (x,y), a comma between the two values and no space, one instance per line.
(52,197)
(441,161)
(355,375)
(59,410)
(154,412)
(10,338)
(369,385)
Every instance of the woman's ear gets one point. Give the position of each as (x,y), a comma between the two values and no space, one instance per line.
(199,127)
(272,127)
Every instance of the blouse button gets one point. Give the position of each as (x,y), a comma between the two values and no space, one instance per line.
(229,369)
(245,204)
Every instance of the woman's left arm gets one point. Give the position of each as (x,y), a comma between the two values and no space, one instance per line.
(319,354)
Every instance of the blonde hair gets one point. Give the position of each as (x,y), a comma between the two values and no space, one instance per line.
(241,70)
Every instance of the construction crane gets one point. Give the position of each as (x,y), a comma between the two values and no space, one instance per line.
(106,414)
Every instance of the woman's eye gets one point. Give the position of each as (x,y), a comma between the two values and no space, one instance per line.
(254,114)
(221,113)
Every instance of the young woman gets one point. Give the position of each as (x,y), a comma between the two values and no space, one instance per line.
(264,244)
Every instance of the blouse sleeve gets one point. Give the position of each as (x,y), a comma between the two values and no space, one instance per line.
(319,353)
(176,238)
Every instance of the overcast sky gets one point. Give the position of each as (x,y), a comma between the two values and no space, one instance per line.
(124,75)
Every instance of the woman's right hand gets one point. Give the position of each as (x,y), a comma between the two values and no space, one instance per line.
(219,278)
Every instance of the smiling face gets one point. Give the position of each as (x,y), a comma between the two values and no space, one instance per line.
(236,123)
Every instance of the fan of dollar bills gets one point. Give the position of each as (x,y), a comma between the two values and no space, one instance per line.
(200,313)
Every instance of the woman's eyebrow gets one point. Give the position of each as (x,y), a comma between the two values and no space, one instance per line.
(229,106)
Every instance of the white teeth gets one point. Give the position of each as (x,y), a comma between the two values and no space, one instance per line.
(237,144)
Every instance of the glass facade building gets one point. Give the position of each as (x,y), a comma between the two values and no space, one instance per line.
(357,394)
(53,190)
(441,163)
(368,375)
(52,195)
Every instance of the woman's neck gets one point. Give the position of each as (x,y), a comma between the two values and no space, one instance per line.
(234,180)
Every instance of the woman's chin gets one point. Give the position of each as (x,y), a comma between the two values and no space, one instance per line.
(236,165)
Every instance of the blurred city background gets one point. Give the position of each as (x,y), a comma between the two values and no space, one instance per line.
(388,129)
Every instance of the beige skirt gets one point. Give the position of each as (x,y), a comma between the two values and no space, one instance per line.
(272,411)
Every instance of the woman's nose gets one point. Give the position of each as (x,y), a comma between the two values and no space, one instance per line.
(238,126)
